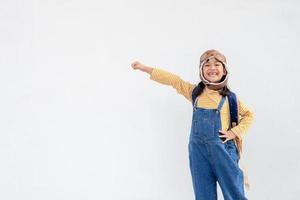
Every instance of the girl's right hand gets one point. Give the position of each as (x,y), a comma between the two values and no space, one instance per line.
(138,65)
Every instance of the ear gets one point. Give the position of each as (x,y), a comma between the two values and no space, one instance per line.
(225,71)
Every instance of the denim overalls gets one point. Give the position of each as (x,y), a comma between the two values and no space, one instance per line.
(211,160)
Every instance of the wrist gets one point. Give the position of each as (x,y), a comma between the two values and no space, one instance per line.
(234,134)
(147,69)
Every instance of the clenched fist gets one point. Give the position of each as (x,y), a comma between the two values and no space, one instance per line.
(142,67)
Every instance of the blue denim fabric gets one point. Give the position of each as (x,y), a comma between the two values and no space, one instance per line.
(211,160)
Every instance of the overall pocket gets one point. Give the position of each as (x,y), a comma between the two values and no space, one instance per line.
(204,128)
(232,150)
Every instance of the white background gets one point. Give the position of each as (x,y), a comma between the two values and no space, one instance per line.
(77,122)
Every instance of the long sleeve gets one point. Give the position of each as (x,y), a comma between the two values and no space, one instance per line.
(246,117)
(167,78)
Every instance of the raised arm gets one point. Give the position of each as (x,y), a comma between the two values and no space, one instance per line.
(167,78)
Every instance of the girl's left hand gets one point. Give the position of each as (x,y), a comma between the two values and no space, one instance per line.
(229,135)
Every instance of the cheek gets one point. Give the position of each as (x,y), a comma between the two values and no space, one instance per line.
(204,71)
(223,72)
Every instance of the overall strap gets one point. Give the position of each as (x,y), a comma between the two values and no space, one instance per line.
(221,103)
(233,108)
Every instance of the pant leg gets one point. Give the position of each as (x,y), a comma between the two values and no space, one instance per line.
(229,175)
(204,180)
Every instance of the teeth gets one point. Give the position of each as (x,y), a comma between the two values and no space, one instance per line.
(211,73)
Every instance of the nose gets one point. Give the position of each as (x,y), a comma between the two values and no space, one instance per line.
(211,66)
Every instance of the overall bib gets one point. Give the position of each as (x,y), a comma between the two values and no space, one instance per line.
(211,160)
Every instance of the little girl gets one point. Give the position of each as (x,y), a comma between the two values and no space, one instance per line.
(215,144)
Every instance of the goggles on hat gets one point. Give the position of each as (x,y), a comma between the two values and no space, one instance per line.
(211,57)
(204,57)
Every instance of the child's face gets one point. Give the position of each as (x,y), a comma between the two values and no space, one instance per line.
(213,70)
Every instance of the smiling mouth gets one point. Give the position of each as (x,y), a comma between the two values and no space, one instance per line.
(212,74)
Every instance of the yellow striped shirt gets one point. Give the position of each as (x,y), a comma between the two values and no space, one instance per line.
(208,99)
